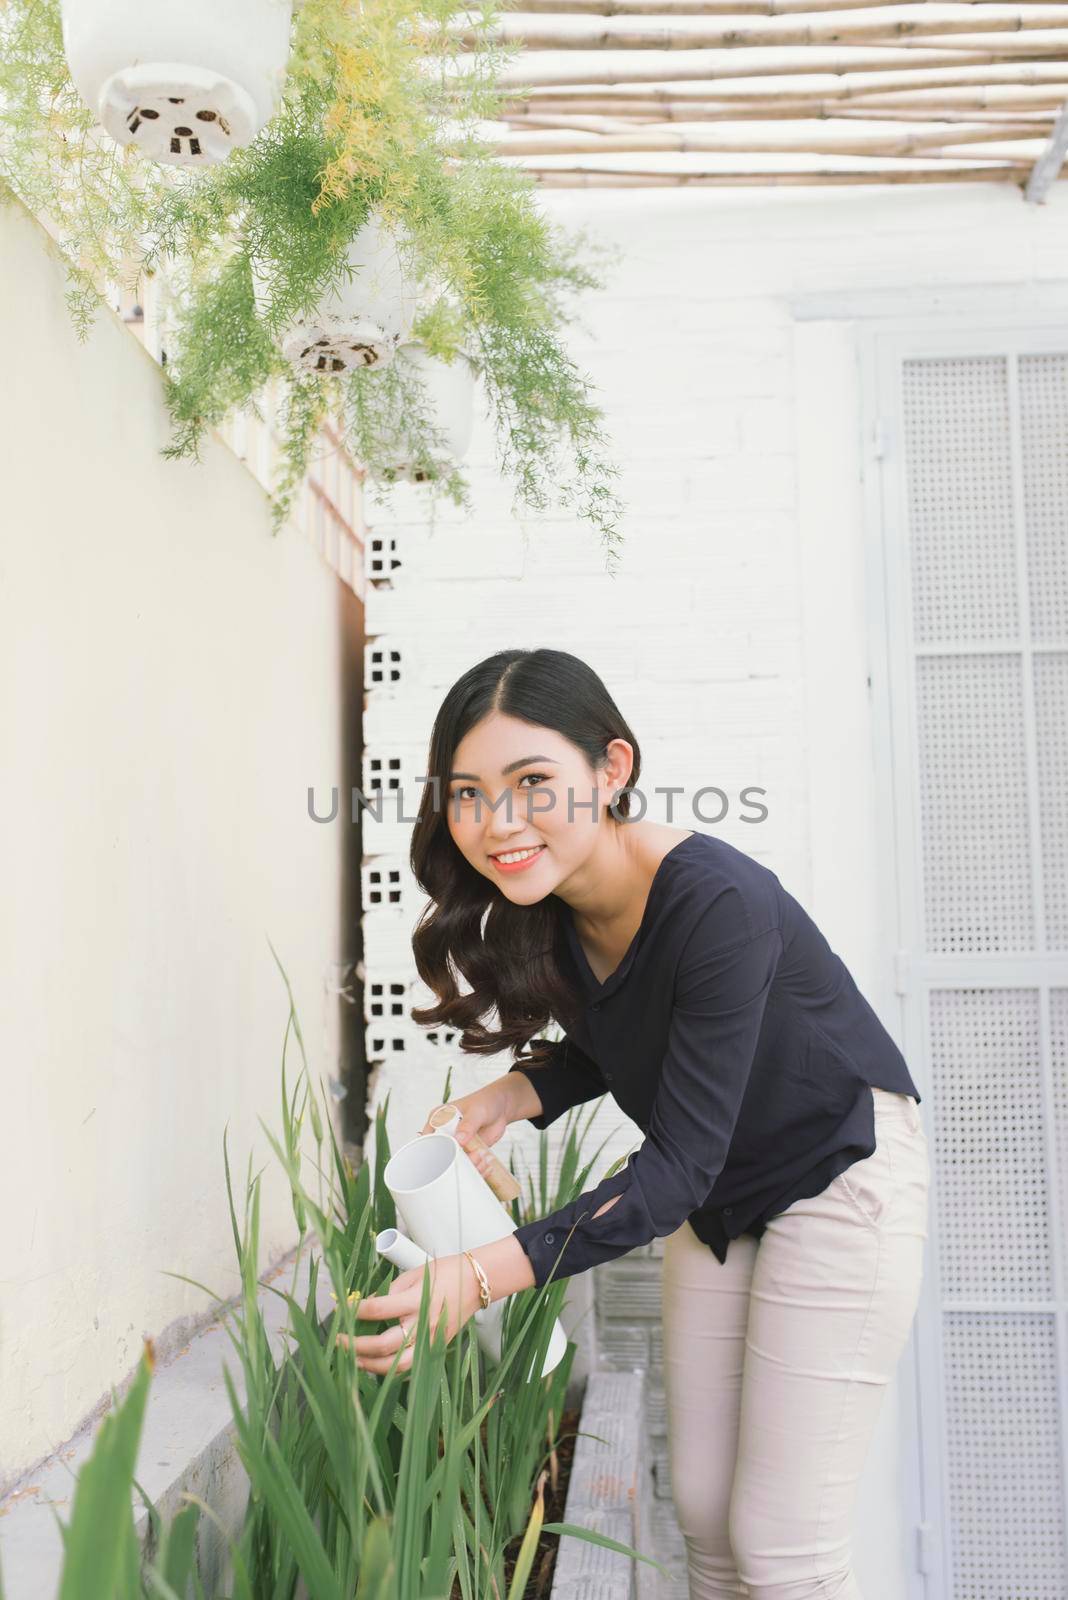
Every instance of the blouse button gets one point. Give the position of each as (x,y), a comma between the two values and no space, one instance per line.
(728,1211)
(550,1238)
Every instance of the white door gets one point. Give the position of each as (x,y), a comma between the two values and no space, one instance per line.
(972,495)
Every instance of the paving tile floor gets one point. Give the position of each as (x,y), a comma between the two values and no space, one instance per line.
(668,1548)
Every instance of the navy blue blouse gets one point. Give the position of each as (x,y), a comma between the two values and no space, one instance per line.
(736,1039)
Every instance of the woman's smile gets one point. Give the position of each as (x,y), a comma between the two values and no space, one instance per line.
(525,860)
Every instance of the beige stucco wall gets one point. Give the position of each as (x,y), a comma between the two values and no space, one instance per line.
(169,688)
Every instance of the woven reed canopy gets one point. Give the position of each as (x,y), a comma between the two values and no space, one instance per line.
(776,92)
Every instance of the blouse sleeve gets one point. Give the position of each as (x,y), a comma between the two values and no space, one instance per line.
(720,996)
(569,1079)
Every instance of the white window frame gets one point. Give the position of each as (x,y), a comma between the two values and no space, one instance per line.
(849,349)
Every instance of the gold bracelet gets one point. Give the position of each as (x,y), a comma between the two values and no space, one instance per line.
(484,1296)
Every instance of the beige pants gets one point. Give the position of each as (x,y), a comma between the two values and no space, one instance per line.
(775,1367)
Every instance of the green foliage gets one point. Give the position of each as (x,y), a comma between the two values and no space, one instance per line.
(100,1541)
(102,1555)
(393,1487)
(224,356)
(380,110)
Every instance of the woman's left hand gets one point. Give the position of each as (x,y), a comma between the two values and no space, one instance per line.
(453,1295)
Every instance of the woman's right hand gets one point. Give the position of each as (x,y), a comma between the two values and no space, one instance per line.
(487,1112)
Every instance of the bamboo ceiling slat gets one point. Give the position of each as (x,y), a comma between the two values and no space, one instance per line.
(889,30)
(594,72)
(594,122)
(722,8)
(618,177)
(566,112)
(1023,82)
(948,122)
(922,91)
(648,140)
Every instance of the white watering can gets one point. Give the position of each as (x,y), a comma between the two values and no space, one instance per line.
(447,1206)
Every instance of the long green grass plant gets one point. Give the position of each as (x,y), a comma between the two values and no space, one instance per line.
(413,1485)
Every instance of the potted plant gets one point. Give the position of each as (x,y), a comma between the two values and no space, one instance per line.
(433,449)
(186,83)
(359,322)
(376,136)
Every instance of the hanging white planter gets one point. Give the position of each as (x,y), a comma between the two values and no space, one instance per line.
(187,83)
(449,390)
(364,320)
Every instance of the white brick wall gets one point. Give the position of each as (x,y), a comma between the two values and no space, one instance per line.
(717,636)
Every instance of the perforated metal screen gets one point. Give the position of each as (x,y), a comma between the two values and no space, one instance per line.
(982,666)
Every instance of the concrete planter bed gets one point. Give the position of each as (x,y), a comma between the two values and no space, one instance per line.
(609,1491)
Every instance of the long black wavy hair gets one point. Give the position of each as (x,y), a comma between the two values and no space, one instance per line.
(513,958)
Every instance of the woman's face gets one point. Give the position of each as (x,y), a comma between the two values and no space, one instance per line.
(516,785)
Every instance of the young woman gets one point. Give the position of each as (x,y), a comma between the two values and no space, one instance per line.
(784,1161)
